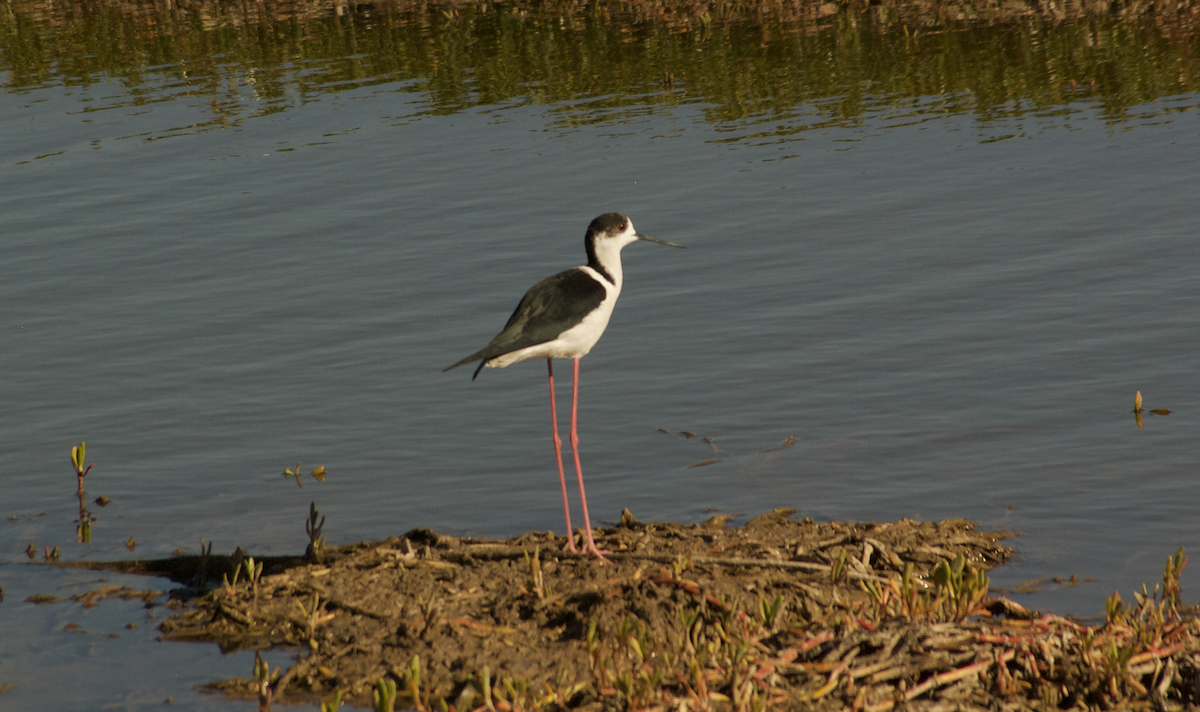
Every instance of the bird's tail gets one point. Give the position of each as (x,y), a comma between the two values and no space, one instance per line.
(477,356)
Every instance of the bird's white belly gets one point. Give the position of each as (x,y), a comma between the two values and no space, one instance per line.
(572,343)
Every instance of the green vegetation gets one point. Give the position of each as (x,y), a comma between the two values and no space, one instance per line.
(333,704)
(384,695)
(317,474)
(77,460)
(316,540)
(264,681)
(722,657)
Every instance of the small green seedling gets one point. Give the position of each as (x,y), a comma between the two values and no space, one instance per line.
(431,612)
(949,575)
(537,581)
(483,683)
(1115,609)
(316,540)
(201,579)
(77,457)
(769,611)
(1171,589)
(317,474)
(412,682)
(837,570)
(313,618)
(682,563)
(83,531)
(230,586)
(253,570)
(383,697)
(264,678)
(334,703)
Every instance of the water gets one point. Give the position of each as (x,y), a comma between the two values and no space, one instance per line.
(948,298)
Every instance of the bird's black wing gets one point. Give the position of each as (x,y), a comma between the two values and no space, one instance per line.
(549,308)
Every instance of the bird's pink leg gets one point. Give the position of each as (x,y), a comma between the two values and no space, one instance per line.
(590,547)
(562,478)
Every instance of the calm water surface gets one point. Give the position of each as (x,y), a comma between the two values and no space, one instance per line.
(948,303)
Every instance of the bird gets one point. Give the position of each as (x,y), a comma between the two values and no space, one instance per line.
(563,316)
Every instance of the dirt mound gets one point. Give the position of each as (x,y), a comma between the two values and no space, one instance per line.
(776,614)
(542,620)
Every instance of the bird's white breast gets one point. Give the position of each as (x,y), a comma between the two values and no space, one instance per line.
(576,341)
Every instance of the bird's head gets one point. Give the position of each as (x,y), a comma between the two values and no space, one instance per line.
(617,229)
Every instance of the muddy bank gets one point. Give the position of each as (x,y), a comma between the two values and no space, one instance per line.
(462,605)
(776,614)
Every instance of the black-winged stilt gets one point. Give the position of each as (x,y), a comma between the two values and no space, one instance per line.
(563,317)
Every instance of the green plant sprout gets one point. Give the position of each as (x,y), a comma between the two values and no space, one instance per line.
(383,697)
(230,586)
(317,474)
(313,618)
(201,579)
(837,570)
(482,682)
(1175,564)
(77,457)
(412,680)
(769,611)
(83,531)
(334,702)
(264,681)
(253,574)
(253,570)
(537,581)
(431,613)
(316,540)
(682,563)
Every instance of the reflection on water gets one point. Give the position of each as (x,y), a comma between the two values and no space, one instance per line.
(765,79)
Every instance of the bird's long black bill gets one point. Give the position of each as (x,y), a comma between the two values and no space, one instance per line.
(647,238)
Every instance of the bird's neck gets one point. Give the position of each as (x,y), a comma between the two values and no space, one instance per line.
(605,258)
